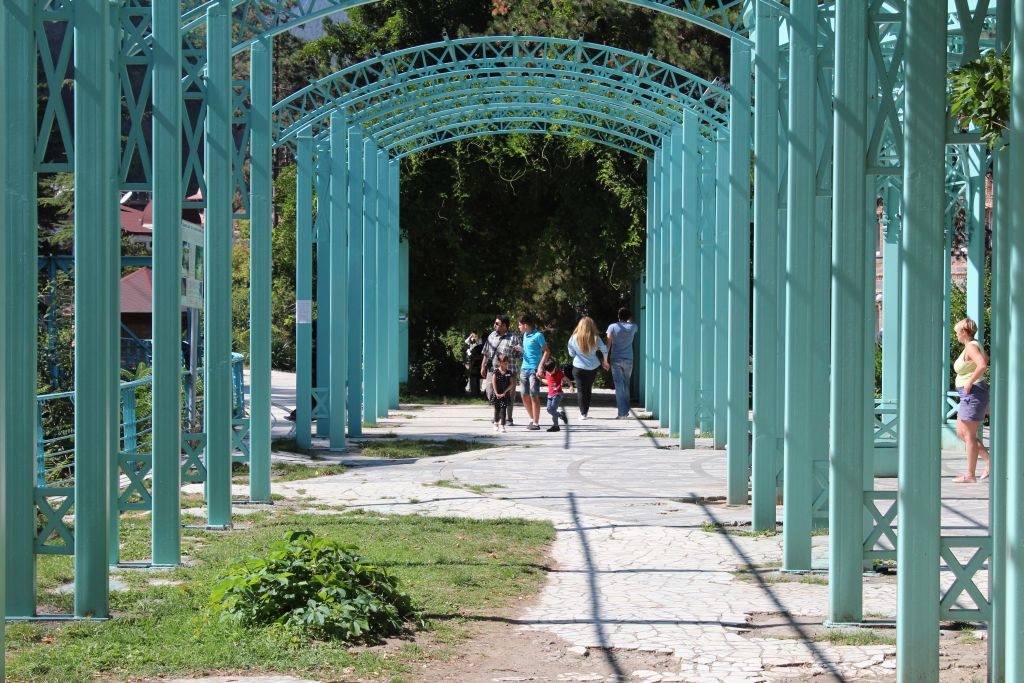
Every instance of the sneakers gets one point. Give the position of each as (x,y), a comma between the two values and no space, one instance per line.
(583,416)
(510,422)
(533,427)
(502,429)
(565,418)
(554,428)
(495,426)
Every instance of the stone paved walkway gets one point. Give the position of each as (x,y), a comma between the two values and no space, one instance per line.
(634,569)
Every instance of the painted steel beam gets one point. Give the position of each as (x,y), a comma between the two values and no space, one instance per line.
(260,265)
(18,251)
(356,317)
(96,267)
(346,145)
(799,292)
(688,282)
(921,339)
(218,235)
(767,416)
(304,290)
(738,440)
(166,415)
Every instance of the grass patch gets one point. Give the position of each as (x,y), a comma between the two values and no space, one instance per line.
(288,446)
(431,400)
(452,568)
(479,489)
(416,448)
(736,530)
(856,637)
(653,434)
(287,471)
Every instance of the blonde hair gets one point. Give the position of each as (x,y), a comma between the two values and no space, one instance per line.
(586,335)
(968,326)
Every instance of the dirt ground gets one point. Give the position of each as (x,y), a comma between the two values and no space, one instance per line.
(498,651)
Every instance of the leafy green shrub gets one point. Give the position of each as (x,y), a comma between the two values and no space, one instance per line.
(317,586)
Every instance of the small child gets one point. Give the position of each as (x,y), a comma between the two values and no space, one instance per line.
(501,385)
(554,376)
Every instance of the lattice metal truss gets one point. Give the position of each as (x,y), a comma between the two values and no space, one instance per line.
(430,89)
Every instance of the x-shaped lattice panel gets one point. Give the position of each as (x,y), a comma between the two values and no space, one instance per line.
(136,467)
(964,581)
(239,432)
(881,525)
(53,523)
(321,403)
(193,469)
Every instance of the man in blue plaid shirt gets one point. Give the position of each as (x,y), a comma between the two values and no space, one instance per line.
(501,342)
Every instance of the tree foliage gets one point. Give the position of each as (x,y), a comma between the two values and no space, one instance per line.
(980,95)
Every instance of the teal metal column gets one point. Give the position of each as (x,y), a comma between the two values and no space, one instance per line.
(95,262)
(646,323)
(393,256)
(738,399)
(1000,390)
(664,283)
(921,342)
(357,236)
(659,312)
(766,350)
(890,298)
(848,436)
(166,415)
(322,235)
(799,288)
(383,275)
(112,286)
(1013,415)
(706,281)
(371,304)
(689,305)
(217,238)
(344,171)
(403,311)
(304,286)
(7,245)
(260,264)
(18,251)
(721,198)
(977,167)
(674,171)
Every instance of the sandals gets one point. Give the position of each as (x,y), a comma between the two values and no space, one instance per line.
(964,479)
(983,477)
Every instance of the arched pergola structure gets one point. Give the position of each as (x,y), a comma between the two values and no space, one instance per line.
(871,77)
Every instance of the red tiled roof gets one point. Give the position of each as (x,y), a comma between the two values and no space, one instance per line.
(134,222)
(137,292)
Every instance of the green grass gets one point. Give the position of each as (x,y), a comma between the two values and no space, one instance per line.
(652,434)
(479,489)
(280,471)
(431,400)
(416,448)
(288,446)
(719,528)
(453,569)
(858,637)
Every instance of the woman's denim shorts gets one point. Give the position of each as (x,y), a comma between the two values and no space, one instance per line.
(974,405)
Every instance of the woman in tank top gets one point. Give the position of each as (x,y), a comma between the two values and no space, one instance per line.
(970,367)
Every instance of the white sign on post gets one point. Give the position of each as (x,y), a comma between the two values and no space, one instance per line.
(191,265)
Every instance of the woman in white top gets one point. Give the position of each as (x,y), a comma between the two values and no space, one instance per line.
(584,345)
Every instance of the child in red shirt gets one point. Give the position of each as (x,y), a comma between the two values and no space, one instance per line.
(554,377)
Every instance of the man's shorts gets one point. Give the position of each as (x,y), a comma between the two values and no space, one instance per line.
(530,382)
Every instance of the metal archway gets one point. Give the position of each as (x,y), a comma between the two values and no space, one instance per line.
(797,175)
